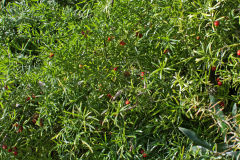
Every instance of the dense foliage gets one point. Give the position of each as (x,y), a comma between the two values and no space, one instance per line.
(115,79)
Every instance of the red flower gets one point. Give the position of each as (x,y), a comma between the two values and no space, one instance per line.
(15,125)
(137,33)
(15,153)
(10,150)
(122,43)
(28,98)
(238,52)
(141,151)
(109,39)
(51,55)
(115,69)
(142,74)
(216,23)
(221,103)
(20,129)
(4,146)
(34,121)
(219,83)
(165,51)
(213,68)
(144,155)
(109,96)
(127,102)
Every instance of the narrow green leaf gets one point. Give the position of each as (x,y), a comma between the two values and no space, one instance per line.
(193,136)
(234,114)
(89,147)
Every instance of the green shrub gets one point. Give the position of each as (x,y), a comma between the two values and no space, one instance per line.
(116,79)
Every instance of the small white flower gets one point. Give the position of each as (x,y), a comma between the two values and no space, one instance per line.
(101,96)
(117,94)
(41,84)
(80,82)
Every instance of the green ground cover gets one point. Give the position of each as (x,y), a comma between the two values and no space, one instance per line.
(119,79)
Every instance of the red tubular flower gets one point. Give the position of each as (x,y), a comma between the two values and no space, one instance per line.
(144,155)
(127,102)
(219,83)
(213,68)
(238,52)
(34,121)
(115,68)
(109,96)
(216,23)
(166,51)
(137,33)
(15,125)
(51,55)
(15,153)
(221,104)
(20,129)
(142,74)
(109,39)
(122,43)
(28,98)
(141,151)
